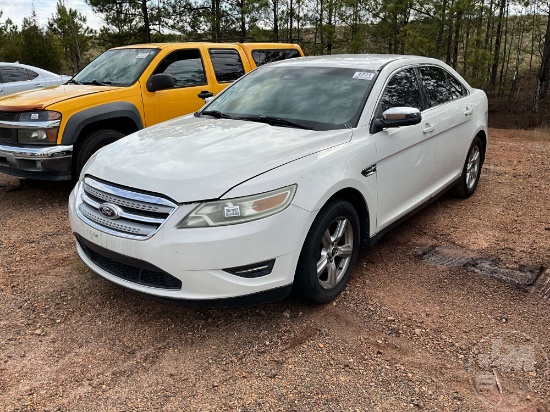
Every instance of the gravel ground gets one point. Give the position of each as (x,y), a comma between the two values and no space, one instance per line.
(409,333)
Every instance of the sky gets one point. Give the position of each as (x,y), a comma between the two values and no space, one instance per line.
(16,10)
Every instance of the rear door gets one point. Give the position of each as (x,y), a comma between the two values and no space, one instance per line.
(449,101)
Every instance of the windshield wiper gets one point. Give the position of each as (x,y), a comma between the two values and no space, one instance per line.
(73,81)
(98,83)
(277,121)
(214,113)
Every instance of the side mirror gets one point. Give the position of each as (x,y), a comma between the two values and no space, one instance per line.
(397,117)
(161,81)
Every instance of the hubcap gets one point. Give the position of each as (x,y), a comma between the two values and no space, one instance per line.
(472,168)
(335,252)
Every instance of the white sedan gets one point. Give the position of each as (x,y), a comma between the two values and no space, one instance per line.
(15,78)
(276,183)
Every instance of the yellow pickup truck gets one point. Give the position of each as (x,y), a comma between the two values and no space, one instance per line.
(49,134)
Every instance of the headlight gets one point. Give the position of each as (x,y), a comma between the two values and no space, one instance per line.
(239,210)
(39,127)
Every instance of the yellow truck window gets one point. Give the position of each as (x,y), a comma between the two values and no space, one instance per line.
(272,55)
(227,63)
(185,66)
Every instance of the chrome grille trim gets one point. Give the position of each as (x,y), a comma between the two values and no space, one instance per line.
(130,196)
(87,199)
(141,214)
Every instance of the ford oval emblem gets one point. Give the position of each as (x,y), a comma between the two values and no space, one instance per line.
(110,211)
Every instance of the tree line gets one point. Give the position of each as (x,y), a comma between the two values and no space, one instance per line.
(494,44)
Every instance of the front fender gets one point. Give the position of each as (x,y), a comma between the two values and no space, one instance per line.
(78,121)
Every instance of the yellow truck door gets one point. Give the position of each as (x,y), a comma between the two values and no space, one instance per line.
(188,67)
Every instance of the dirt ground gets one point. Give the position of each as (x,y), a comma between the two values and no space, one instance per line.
(409,332)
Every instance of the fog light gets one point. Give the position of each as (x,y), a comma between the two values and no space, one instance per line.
(255,270)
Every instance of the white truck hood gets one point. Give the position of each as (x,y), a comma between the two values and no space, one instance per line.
(191,159)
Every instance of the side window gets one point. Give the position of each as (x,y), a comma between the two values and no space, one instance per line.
(401,91)
(13,74)
(185,66)
(267,56)
(457,89)
(227,64)
(32,75)
(440,86)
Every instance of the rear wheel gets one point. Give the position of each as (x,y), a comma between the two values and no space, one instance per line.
(91,144)
(471,171)
(329,253)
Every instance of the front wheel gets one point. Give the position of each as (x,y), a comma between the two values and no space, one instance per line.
(91,144)
(471,171)
(329,253)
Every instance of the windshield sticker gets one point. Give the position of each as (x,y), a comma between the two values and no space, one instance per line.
(232,211)
(363,76)
(345,103)
(34,116)
(142,55)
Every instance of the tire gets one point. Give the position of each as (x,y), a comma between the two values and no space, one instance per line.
(471,171)
(91,144)
(335,257)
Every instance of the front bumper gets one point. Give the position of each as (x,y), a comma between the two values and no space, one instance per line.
(44,163)
(197,257)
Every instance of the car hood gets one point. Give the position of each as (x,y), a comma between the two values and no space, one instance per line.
(40,99)
(191,159)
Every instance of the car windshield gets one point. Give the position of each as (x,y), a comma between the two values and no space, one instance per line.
(319,98)
(120,67)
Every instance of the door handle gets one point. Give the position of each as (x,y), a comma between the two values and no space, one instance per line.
(468,111)
(428,129)
(38,86)
(205,94)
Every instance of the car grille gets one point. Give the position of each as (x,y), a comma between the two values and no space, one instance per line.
(135,215)
(8,116)
(8,135)
(134,272)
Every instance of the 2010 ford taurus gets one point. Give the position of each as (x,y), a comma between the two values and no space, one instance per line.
(276,184)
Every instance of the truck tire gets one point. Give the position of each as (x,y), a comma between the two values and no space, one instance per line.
(91,144)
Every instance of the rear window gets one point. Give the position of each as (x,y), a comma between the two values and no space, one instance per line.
(32,75)
(273,55)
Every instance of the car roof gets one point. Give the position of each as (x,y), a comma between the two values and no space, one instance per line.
(26,66)
(208,44)
(364,61)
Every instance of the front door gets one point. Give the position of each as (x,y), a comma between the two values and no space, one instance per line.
(405,155)
(188,70)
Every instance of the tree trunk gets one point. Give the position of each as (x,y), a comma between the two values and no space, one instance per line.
(440,29)
(215,18)
(146,28)
(243,22)
(456,38)
(498,40)
(449,35)
(276,19)
(506,56)
(330,25)
(543,76)
(291,20)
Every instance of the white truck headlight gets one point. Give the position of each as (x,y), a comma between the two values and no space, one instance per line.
(239,210)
